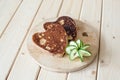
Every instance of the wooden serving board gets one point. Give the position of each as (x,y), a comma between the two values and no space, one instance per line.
(85,32)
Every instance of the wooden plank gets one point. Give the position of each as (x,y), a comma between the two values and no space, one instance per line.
(48,75)
(24,61)
(25,67)
(67,5)
(87,73)
(71,8)
(12,38)
(109,65)
(90,14)
(7,11)
(48,6)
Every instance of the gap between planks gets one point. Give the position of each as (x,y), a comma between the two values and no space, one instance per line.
(23,40)
(60,8)
(80,10)
(109,65)
(11,19)
(98,57)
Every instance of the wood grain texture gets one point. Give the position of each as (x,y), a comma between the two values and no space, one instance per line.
(71,8)
(24,68)
(90,14)
(48,75)
(12,38)
(109,65)
(27,63)
(7,10)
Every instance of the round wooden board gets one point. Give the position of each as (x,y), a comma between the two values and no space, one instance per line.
(64,64)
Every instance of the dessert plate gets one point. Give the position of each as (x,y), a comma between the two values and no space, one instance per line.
(85,32)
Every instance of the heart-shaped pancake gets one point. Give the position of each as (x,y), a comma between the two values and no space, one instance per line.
(53,40)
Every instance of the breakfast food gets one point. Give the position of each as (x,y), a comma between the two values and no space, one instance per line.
(59,38)
(53,40)
(68,24)
(48,25)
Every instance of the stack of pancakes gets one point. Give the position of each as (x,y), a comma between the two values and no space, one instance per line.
(57,35)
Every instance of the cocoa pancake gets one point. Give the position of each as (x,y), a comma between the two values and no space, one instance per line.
(53,40)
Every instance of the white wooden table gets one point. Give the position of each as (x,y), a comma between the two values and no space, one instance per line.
(17,17)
